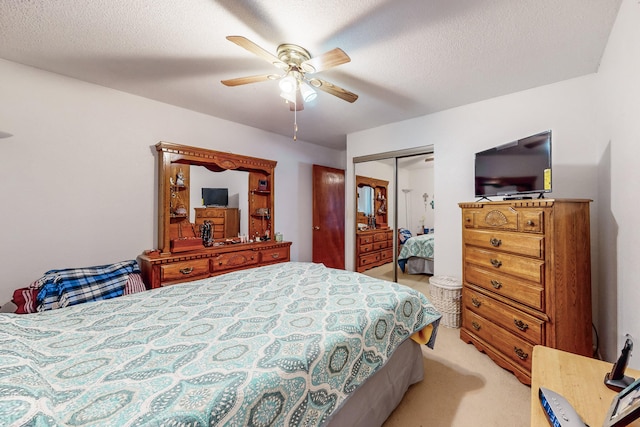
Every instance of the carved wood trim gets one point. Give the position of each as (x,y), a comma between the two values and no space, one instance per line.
(217,160)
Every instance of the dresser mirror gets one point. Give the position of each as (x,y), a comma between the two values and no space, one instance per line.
(372,202)
(365,200)
(184,171)
(237,184)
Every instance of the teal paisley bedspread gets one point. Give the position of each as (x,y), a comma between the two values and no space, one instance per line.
(281,345)
(420,246)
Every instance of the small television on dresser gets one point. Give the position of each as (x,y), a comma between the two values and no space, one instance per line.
(516,170)
(215,197)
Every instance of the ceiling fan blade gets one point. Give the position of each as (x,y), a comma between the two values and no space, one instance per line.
(327,60)
(333,90)
(257,50)
(250,79)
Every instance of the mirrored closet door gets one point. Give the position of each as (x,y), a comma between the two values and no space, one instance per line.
(395,202)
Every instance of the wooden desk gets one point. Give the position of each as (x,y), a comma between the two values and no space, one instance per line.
(579,379)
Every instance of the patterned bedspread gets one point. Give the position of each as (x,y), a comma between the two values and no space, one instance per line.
(418,246)
(279,345)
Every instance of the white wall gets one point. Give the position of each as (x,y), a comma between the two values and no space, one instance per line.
(79,175)
(566,108)
(618,180)
(421,215)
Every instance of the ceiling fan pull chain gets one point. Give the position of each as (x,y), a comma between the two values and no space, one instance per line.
(295,121)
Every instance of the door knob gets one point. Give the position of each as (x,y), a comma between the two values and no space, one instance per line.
(315,227)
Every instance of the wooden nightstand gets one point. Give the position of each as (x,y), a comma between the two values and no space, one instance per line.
(579,379)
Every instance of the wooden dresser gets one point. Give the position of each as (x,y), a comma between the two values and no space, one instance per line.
(181,254)
(373,248)
(160,271)
(225,221)
(527,279)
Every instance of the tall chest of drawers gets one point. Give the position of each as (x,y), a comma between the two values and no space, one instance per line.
(526,279)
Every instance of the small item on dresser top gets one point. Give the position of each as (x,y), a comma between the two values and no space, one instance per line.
(206,233)
(278,237)
(625,407)
(616,379)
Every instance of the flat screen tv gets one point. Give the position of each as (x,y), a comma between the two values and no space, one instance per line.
(215,197)
(516,169)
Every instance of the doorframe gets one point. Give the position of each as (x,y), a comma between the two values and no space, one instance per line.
(396,154)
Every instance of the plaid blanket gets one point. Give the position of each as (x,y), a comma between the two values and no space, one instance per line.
(62,288)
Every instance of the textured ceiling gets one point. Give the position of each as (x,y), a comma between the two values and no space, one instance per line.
(408,58)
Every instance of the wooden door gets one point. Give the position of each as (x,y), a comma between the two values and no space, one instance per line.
(328,216)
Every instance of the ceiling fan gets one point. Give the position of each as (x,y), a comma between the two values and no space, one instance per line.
(297,83)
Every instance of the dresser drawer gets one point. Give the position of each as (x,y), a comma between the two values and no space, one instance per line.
(379,245)
(511,346)
(234,260)
(186,270)
(209,213)
(274,255)
(527,293)
(519,243)
(366,248)
(366,239)
(386,255)
(505,218)
(517,322)
(501,262)
(368,259)
(380,237)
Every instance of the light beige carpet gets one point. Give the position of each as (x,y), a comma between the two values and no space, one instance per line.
(462,386)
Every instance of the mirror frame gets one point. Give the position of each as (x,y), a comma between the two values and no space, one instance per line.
(216,161)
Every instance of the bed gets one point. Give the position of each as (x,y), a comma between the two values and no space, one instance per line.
(285,344)
(416,254)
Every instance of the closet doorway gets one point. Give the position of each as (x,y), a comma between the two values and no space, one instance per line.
(409,206)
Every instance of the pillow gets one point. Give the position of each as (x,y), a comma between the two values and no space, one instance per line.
(25,300)
(403,235)
(62,288)
(134,284)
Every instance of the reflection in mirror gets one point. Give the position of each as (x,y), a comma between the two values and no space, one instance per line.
(365,200)
(237,183)
(409,205)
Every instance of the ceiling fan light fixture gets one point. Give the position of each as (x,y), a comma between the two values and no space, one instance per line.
(288,84)
(288,96)
(307,92)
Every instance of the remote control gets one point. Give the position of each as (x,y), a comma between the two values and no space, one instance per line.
(559,412)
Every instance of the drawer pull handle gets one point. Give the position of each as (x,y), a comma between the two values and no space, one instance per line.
(186,270)
(475,325)
(521,325)
(475,302)
(496,262)
(468,219)
(530,223)
(520,353)
(496,284)
(495,242)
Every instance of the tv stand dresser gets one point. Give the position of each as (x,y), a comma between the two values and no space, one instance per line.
(526,279)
